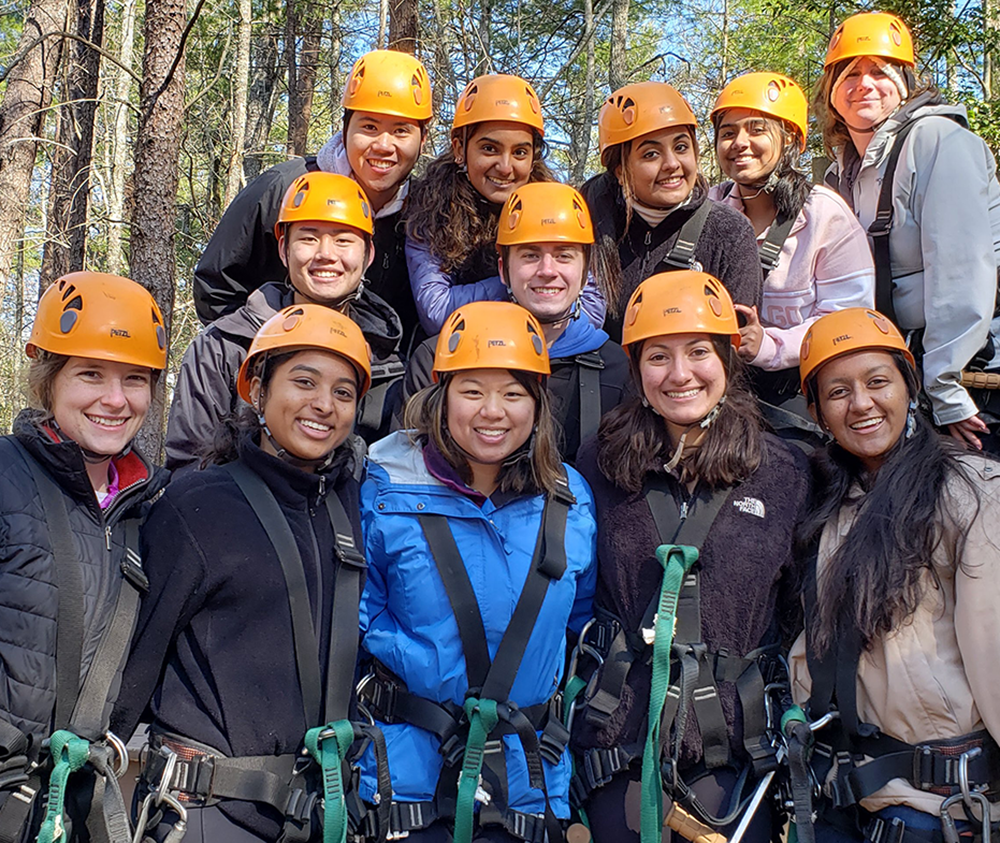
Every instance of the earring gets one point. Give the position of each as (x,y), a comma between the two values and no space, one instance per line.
(911,419)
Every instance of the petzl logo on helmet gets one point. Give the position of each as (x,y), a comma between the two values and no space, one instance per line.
(385,94)
(667,310)
(120,332)
(548,221)
(841,338)
(496,344)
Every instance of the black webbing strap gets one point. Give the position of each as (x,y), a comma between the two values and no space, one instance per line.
(276,527)
(878,231)
(588,368)
(69,583)
(821,671)
(344,624)
(681,256)
(770,249)
(372,409)
(690,526)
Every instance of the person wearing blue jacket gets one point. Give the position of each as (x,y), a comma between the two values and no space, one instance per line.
(481,554)
(544,242)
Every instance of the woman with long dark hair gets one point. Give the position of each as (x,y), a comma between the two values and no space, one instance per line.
(901,597)
(696,509)
(650,207)
(246,644)
(926,189)
(481,552)
(814,254)
(497,146)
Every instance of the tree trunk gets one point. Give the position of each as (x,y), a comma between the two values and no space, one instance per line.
(301,74)
(584,118)
(120,82)
(234,180)
(403,26)
(69,192)
(260,102)
(156,175)
(28,94)
(617,66)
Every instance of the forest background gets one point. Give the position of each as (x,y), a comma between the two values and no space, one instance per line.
(127,126)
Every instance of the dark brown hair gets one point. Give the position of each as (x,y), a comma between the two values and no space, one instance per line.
(453,220)
(426,416)
(633,440)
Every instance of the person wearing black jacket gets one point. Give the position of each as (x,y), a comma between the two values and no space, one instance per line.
(216,656)
(544,243)
(387,108)
(72,491)
(325,232)
(651,208)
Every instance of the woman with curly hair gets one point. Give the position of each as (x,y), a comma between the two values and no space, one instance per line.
(497,146)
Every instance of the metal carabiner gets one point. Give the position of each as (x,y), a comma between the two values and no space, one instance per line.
(824,721)
(948,828)
(121,751)
(362,708)
(179,829)
(162,790)
(963,773)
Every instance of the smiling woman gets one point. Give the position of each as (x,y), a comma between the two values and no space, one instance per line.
(73,491)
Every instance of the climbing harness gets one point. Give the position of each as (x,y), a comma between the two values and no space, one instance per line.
(471,735)
(320,779)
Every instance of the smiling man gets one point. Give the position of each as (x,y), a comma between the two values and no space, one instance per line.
(544,238)
(387,108)
(324,234)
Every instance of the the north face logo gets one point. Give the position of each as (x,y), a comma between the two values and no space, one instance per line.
(750,506)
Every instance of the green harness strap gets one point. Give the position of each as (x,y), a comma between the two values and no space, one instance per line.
(330,755)
(676,560)
(70,753)
(483,717)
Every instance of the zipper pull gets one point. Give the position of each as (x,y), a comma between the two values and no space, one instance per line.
(107,536)
(322,487)
(649,237)
(684,510)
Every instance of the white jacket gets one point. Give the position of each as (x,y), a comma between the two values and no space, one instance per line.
(944,240)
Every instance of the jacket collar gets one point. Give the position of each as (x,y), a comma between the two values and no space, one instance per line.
(293,487)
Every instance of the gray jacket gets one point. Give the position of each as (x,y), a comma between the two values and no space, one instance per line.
(205,392)
(944,239)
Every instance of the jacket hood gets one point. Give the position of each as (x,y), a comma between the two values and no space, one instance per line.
(261,305)
(579,337)
(332,158)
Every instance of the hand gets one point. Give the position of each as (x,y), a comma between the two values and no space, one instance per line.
(965,432)
(751,334)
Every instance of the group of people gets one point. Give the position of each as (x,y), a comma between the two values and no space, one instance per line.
(502,511)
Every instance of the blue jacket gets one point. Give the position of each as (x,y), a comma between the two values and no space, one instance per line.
(409,626)
(437,294)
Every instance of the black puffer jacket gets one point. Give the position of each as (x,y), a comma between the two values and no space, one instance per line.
(206,384)
(28,593)
(727,248)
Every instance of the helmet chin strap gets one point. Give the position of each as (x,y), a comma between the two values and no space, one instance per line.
(298,462)
(704,424)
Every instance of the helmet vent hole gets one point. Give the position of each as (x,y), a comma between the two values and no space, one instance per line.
(74,304)
(67,290)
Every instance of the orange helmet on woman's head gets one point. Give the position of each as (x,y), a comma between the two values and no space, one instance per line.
(101,317)
(681,302)
(498,97)
(491,335)
(771,94)
(638,109)
(301,326)
(846,331)
(871,34)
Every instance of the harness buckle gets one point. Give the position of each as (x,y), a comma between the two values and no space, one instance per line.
(300,804)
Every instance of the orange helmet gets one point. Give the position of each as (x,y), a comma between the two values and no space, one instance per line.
(545,212)
(389,82)
(309,326)
(637,110)
(498,97)
(100,316)
(325,197)
(844,331)
(681,302)
(871,34)
(771,94)
(491,335)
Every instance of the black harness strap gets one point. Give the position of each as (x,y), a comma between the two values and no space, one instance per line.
(878,231)
(777,234)
(276,527)
(681,256)
(588,367)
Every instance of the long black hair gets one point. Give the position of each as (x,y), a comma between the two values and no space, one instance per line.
(904,512)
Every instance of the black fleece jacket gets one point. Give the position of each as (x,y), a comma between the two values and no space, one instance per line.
(213,656)
(747,580)
(727,248)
